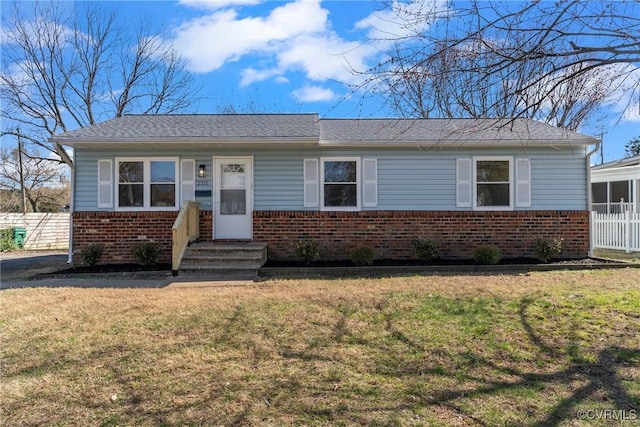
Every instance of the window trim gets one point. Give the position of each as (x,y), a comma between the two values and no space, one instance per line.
(474,180)
(358,183)
(146,192)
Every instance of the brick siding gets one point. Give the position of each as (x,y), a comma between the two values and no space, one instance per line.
(389,232)
(121,231)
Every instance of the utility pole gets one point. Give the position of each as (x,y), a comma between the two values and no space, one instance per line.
(602,147)
(23,199)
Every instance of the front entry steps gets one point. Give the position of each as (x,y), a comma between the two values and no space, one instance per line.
(224,261)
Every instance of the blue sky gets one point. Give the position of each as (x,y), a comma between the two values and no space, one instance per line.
(295,56)
(272,56)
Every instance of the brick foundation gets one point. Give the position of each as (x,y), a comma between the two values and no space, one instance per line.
(121,231)
(389,232)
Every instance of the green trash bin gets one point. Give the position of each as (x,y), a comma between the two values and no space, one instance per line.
(19,236)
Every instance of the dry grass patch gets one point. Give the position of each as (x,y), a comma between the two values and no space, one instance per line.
(528,349)
(633,257)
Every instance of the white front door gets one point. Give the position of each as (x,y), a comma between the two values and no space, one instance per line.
(233,198)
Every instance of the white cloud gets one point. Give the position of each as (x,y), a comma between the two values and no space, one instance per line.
(625,100)
(314,94)
(207,43)
(632,111)
(401,20)
(293,37)
(251,75)
(324,57)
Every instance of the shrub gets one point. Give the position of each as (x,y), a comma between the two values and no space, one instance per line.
(546,249)
(92,254)
(6,240)
(146,253)
(362,256)
(488,255)
(425,249)
(307,250)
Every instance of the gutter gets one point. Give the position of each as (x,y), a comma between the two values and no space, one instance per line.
(71,209)
(589,206)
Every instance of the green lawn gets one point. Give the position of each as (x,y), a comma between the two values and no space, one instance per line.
(514,350)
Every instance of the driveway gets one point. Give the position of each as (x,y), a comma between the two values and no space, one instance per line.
(24,265)
(17,270)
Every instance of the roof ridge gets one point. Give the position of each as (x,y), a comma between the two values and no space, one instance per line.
(217,114)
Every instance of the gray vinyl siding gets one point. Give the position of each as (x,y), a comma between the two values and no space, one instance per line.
(408,178)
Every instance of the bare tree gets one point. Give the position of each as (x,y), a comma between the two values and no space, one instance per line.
(65,67)
(30,183)
(553,61)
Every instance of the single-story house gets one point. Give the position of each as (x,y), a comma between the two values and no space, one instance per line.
(282,178)
(615,186)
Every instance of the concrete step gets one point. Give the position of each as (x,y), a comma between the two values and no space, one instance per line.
(197,258)
(220,264)
(219,273)
(228,250)
(235,259)
(228,247)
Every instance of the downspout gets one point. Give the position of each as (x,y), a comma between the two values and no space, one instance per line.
(71,209)
(589,206)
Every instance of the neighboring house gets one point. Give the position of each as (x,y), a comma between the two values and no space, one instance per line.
(615,186)
(345,183)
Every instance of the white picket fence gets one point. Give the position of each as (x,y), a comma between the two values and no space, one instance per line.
(619,231)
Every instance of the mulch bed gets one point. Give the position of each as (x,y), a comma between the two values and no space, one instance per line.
(166,268)
(439,262)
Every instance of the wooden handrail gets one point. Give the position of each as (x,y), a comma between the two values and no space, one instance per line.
(186,229)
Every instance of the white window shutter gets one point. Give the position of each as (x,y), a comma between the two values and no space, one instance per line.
(369,183)
(464,183)
(187,180)
(523,183)
(105,183)
(311,183)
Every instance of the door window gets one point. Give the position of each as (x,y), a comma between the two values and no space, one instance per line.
(233,200)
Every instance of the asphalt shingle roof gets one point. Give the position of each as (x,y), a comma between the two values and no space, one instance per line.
(200,126)
(442,130)
(309,127)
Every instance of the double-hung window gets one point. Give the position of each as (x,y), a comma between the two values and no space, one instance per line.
(493,188)
(340,186)
(340,183)
(493,183)
(147,184)
(130,184)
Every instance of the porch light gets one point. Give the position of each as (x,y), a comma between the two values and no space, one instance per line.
(201,171)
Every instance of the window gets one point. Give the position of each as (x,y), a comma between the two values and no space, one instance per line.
(147,184)
(339,184)
(233,200)
(340,187)
(130,184)
(493,183)
(163,183)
